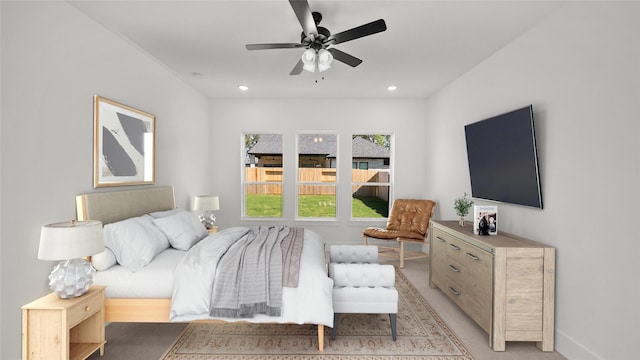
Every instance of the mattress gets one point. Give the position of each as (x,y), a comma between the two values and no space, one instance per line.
(152,281)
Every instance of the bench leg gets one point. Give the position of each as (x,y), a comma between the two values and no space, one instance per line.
(393,318)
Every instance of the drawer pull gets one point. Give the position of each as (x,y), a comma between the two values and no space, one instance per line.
(87,308)
(473,256)
(439,238)
(454,291)
(453,268)
(454,247)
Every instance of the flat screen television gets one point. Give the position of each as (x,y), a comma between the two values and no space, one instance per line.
(503,161)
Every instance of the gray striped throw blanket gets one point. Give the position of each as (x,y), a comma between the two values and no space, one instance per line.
(253,270)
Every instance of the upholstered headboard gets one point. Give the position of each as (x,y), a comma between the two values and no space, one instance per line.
(115,206)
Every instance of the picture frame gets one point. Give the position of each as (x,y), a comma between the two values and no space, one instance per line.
(123,144)
(485,219)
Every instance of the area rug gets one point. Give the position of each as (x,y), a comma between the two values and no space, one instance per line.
(421,335)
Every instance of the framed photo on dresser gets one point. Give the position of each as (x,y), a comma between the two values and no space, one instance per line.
(485,220)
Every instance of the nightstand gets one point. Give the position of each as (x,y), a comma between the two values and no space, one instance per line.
(55,328)
(213,230)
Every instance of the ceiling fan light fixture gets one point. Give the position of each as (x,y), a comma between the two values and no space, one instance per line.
(309,60)
(324,60)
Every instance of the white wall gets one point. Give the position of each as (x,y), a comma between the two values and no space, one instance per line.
(54,60)
(404,118)
(580,68)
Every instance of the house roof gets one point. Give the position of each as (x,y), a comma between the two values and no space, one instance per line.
(270,144)
(267,144)
(363,148)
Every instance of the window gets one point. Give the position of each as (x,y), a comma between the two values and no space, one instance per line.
(360,165)
(317,156)
(262,175)
(370,175)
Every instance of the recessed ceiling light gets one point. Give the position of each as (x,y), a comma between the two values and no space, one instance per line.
(392,87)
(243,87)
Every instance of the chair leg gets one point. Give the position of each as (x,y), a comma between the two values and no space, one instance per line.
(334,330)
(401,245)
(393,318)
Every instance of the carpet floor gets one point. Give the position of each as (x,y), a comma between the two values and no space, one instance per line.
(421,335)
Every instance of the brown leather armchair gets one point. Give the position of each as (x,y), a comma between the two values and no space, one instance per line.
(408,222)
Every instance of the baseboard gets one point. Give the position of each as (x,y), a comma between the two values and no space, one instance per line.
(571,349)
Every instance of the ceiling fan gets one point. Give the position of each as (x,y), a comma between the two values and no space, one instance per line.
(318,40)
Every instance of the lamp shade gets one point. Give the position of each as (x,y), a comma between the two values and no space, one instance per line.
(70,240)
(206,202)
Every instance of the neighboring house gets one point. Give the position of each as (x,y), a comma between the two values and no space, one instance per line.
(318,151)
(367,155)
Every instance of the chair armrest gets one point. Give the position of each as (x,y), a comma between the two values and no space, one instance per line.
(353,254)
(370,275)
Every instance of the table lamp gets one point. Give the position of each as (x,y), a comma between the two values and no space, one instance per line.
(69,242)
(206,205)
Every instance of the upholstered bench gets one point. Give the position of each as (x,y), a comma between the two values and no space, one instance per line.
(361,285)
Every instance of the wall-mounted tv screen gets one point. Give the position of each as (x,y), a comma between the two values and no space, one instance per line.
(503,162)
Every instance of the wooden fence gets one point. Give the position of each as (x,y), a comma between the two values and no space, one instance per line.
(317,175)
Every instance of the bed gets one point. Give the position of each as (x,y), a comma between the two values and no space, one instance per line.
(130,298)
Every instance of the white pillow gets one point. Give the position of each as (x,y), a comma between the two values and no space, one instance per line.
(103,260)
(165,213)
(135,241)
(183,229)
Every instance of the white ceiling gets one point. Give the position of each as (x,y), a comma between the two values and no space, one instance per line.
(427,43)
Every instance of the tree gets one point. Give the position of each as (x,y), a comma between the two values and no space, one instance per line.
(382,140)
(250,140)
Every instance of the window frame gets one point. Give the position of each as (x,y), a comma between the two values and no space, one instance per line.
(244,183)
(389,183)
(335,162)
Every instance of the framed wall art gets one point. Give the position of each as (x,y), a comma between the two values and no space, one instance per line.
(123,145)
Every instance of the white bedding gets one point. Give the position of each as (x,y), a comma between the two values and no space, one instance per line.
(309,303)
(152,281)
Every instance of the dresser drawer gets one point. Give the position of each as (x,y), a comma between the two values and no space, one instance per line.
(478,300)
(84,309)
(454,291)
(456,249)
(455,271)
(479,263)
(438,258)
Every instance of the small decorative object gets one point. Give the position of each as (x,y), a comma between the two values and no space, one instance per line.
(462,206)
(123,144)
(68,242)
(206,204)
(485,220)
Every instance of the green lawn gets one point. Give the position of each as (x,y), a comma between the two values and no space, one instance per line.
(315,206)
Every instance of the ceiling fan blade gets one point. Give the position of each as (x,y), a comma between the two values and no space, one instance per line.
(273,46)
(305,17)
(297,69)
(344,57)
(358,32)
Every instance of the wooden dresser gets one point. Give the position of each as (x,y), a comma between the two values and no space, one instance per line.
(504,283)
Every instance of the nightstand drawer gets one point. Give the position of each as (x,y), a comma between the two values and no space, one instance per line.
(84,309)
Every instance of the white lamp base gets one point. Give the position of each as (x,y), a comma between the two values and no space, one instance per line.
(208,219)
(71,278)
